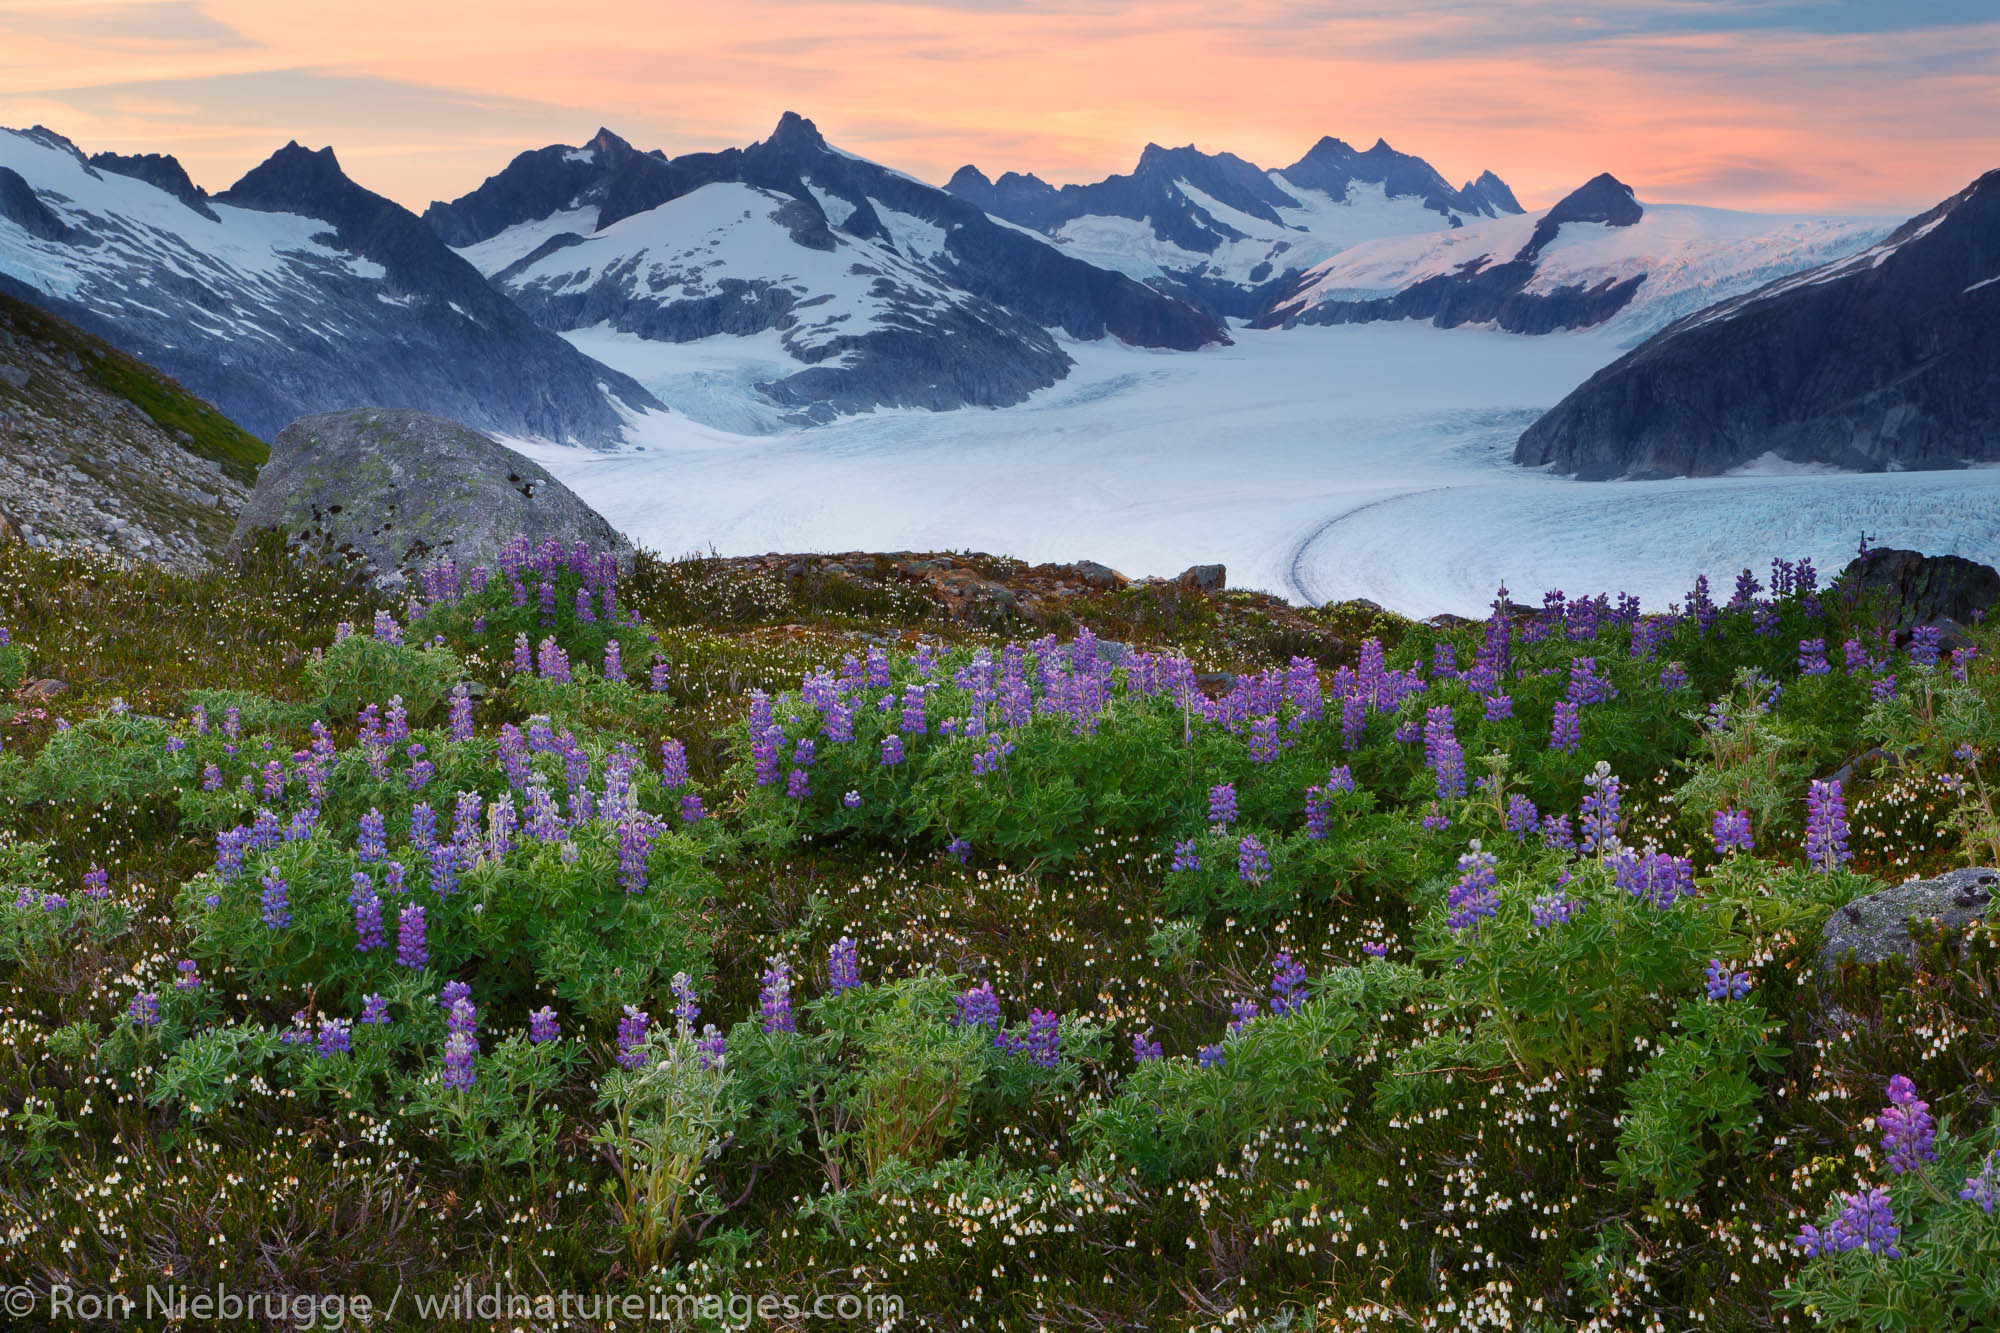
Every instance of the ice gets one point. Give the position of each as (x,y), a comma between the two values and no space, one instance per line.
(1317,463)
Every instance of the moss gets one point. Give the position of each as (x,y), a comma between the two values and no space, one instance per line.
(207,432)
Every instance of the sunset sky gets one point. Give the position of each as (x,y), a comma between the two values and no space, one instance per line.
(1794,105)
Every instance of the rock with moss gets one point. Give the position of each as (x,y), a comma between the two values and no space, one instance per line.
(390,489)
(1875,928)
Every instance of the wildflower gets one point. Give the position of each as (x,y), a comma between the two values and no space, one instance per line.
(367,914)
(1866,1221)
(1043,1042)
(1925,644)
(774,999)
(144,1010)
(276,901)
(1475,896)
(1499,707)
(411,950)
(712,1047)
(1288,984)
(1812,657)
(1339,778)
(632,1037)
(978,1007)
(1242,1013)
(461,1049)
(892,751)
(1522,817)
(1553,908)
(843,965)
(635,844)
(851,800)
(798,785)
(1253,862)
(1601,817)
(691,809)
(673,765)
(1725,982)
(1826,827)
(1185,856)
(1673,676)
(1435,820)
(1144,1048)
(1566,732)
(333,1037)
(1374,949)
(189,978)
(1443,754)
(1209,1057)
(1731,831)
(1659,877)
(373,842)
(686,1010)
(1222,803)
(1908,1133)
(1983,1185)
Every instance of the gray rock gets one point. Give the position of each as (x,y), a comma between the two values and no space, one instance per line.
(1925,589)
(391,489)
(1206,578)
(1875,927)
(1096,575)
(14,377)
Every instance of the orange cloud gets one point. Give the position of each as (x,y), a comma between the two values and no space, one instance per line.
(434,96)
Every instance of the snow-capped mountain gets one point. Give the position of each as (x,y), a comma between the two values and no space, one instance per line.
(1883,360)
(1226,233)
(1598,254)
(295,291)
(851,286)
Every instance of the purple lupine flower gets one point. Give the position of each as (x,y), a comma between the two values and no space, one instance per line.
(1475,895)
(1909,1135)
(1253,861)
(914,721)
(978,1007)
(1043,1043)
(452,993)
(614,662)
(367,914)
(1553,908)
(1210,1056)
(1983,1186)
(1185,856)
(1812,657)
(632,1030)
(1222,803)
(1866,1221)
(276,901)
(1882,689)
(1499,707)
(1673,676)
(1443,754)
(959,849)
(635,844)
(1288,984)
(1826,827)
(542,1026)
(691,809)
(1374,950)
(374,1008)
(892,751)
(1601,818)
(1586,686)
(1725,982)
(96,883)
(1522,817)
(673,765)
(774,997)
(798,785)
(190,976)
(1144,1048)
(1264,740)
(843,965)
(373,843)
(1339,778)
(333,1037)
(686,1007)
(712,1048)
(211,778)
(1242,1013)
(1435,820)
(144,1010)
(1731,831)
(411,949)
(851,800)
(421,769)
(1659,877)
(1925,642)
(1318,813)
(461,713)
(461,1049)
(1566,732)
(1353,720)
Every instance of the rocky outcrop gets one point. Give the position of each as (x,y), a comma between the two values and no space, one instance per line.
(1924,589)
(1875,928)
(387,490)
(84,467)
(1886,360)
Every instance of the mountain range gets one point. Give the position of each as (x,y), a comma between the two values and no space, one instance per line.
(582,291)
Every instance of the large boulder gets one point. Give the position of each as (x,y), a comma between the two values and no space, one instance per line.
(390,489)
(1875,928)
(1926,589)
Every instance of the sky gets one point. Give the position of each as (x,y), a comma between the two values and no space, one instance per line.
(1861,106)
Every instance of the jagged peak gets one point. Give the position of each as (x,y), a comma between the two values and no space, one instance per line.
(604,141)
(795,130)
(1381,146)
(967,176)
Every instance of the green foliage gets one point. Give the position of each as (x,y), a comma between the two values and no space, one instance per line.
(1696,1099)
(360,669)
(667,1117)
